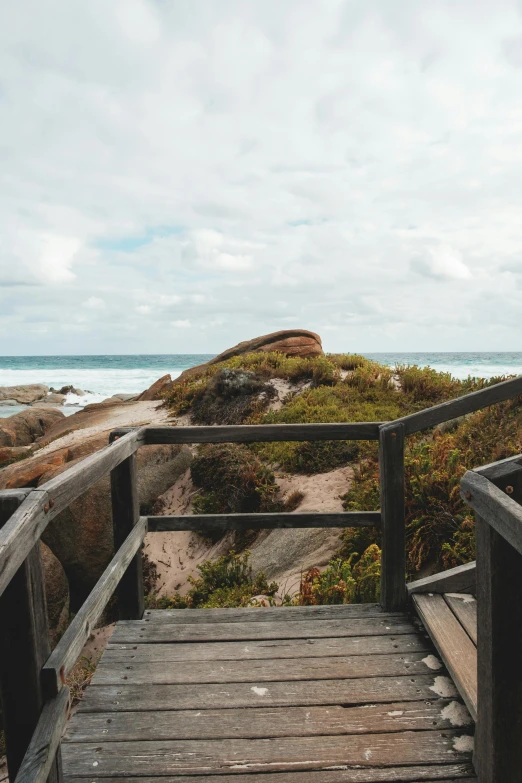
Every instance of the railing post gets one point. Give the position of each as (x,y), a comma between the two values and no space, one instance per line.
(24,648)
(391,471)
(125,515)
(498,745)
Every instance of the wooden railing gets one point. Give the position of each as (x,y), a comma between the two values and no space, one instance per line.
(33,679)
(495,494)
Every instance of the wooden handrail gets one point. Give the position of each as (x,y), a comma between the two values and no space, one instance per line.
(209,522)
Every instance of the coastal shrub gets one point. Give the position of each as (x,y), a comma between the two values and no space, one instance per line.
(347,361)
(227,582)
(439,527)
(232,480)
(344,581)
(230,397)
(294,500)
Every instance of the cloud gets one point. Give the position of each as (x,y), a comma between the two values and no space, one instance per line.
(94,303)
(234,167)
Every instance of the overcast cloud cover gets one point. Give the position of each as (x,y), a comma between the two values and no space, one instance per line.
(179,175)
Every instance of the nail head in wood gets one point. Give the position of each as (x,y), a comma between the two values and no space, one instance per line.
(509,489)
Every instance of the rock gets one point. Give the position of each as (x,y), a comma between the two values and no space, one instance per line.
(13,453)
(53,398)
(124,397)
(25,427)
(155,391)
(82,535)
(24,395)
(292,342)
(71,390)
(56,593)
(10,403)
(28,472)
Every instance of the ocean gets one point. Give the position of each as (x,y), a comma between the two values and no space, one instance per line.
(103,376)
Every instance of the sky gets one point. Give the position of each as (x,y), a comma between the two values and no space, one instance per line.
(180,175)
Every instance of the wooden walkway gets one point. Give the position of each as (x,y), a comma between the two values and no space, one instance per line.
(301,695)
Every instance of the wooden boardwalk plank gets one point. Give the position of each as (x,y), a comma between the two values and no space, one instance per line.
(261,650)
(448,773)
(464,607)
(134,632)
(147,673)
(268,614)
(183,757)
(367,690)
(453,643)
(265,722)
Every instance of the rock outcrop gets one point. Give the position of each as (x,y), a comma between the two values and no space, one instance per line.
(25,427)
(24,395)
(56,593)
(292,342)
(155,391)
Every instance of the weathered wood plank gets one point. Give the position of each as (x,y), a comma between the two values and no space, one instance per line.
(496,471)
(143,631)
(109,673)
(496,507)
(461,579)
(391,468)
(169,757)
(70,646)
(263,433)
(125,516)
(468,403)
(499,603)
(267,722)
(208,522)
(268,614)
(366,690)
(464,607)
(25,527)
(447,773)
(263,650)
(40,757)
(454,645)
(24,646)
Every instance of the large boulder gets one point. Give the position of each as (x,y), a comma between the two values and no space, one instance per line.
(292,342)
(28,472)
(24,395)
(82,535)
(56,593)
(25,427)
(155,391)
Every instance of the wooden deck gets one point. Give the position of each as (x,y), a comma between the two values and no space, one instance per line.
(298,695)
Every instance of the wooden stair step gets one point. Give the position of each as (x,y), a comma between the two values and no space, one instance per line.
(464,607)
(453,644)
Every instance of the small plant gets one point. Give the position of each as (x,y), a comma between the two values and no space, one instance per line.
(344,581)
(79,679)
(293,500)
(233,480)
(230,397)
(226,582)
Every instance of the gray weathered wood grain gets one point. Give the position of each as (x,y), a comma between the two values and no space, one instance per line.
(366,690)
(70,646)
(447,773)
(40,756)
(461,579)
(265,722)
(143,631)
(169,757)
(263,433)
(271,649)
(453,643)
(146,673)
(494,506)
(266,614)
(464,607)
(391,471)
(209,522)
(24,646)
(461,406)
(125,515)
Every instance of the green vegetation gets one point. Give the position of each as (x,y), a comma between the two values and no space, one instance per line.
(345,388)
(343,581)
(227,582)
